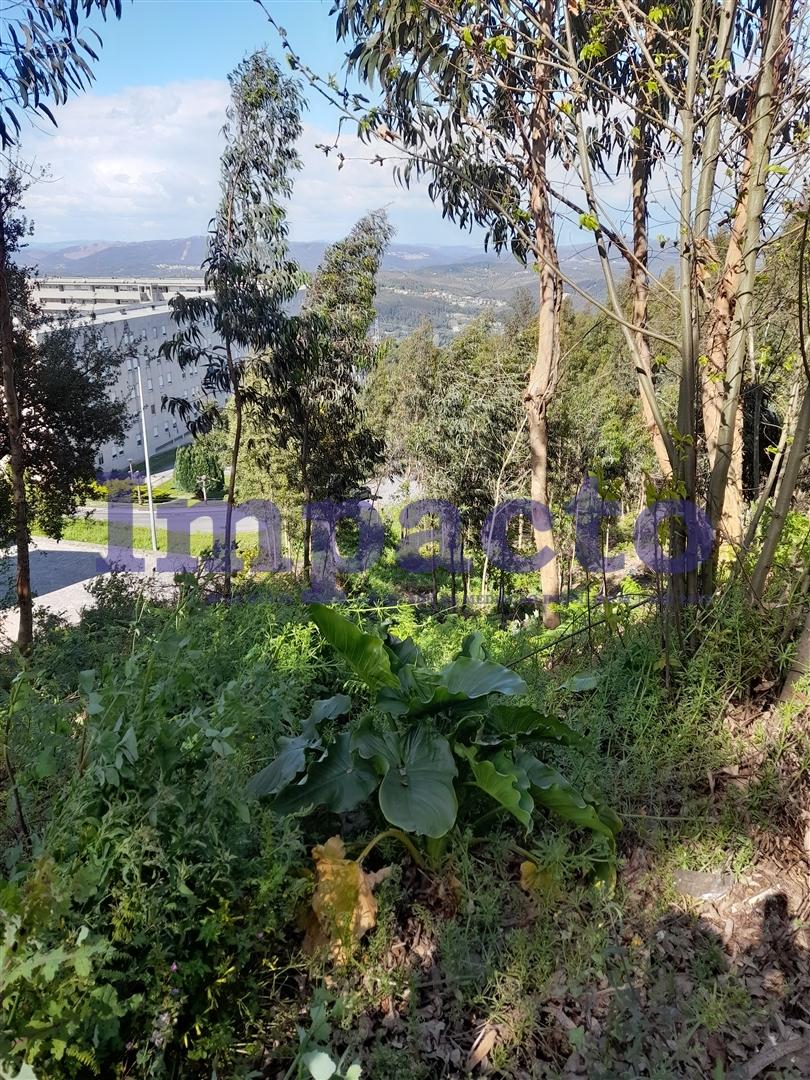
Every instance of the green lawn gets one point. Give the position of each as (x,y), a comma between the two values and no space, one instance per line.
(99,532)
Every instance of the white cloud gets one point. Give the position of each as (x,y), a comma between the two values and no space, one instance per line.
(143,164)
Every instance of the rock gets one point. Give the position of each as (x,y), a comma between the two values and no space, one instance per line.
(702,886)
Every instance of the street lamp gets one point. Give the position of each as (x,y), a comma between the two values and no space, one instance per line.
(146,458)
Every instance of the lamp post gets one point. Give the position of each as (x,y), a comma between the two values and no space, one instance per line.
(146,460)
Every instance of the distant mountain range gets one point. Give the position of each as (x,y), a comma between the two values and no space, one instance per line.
(183,257)
(450,286)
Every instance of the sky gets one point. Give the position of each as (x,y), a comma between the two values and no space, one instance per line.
(136,157)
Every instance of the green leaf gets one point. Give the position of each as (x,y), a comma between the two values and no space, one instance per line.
(552,790)
(340,781)
(81,963)
(403,652)
(524,720)
(283,770)
(45,764)
(416,793)
(473,646)
(364,653)
(469,678)
(500,778)
(320,1065)
(129,744)
(579,684)
(329,709)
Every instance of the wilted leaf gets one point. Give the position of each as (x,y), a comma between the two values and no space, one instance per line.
(343,905)
(536,879)
(481,1047)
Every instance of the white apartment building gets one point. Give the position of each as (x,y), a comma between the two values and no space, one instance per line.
(142,317)
(94,294)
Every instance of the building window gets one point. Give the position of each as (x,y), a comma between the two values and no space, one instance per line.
(169,377)
(149,383)
(138,440)
(154,332)
(163,328)
(160,380)
(166,427)
(155,431)
(152,407)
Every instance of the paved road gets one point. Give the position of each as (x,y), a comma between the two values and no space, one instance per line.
(176,515)
(60,574)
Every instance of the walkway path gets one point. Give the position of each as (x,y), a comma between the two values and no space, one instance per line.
(60,573)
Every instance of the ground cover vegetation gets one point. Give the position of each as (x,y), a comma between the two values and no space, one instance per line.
(524,819)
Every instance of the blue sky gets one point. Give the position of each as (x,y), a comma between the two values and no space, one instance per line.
(162,41)
(136,156)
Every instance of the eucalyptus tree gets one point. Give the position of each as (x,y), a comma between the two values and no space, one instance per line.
(311,396)
(475,114)
(249,275)
(704,104)
(44,54)
(724,91)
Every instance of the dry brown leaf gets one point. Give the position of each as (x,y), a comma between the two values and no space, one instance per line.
(481,1047)
(343,906)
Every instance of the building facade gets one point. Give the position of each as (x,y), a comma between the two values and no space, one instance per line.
(140,316)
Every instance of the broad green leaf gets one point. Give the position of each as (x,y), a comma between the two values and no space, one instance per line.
(500,778)
(328,709)
(365,654)
(339,781)
(473,646)
(283,770)
(391,702)
(552,790)
(469,678)
(524,720)
(579,684)
(381,748)
(416,793)
(403,652)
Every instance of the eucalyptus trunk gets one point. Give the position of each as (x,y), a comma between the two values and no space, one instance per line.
(545,372)
(25,633)
(787,487)
(641,291)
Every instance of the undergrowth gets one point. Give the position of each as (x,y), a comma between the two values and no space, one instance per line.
(152,912)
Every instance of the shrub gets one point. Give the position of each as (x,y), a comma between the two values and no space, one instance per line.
(196,460)
(142,928)
(429,730)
